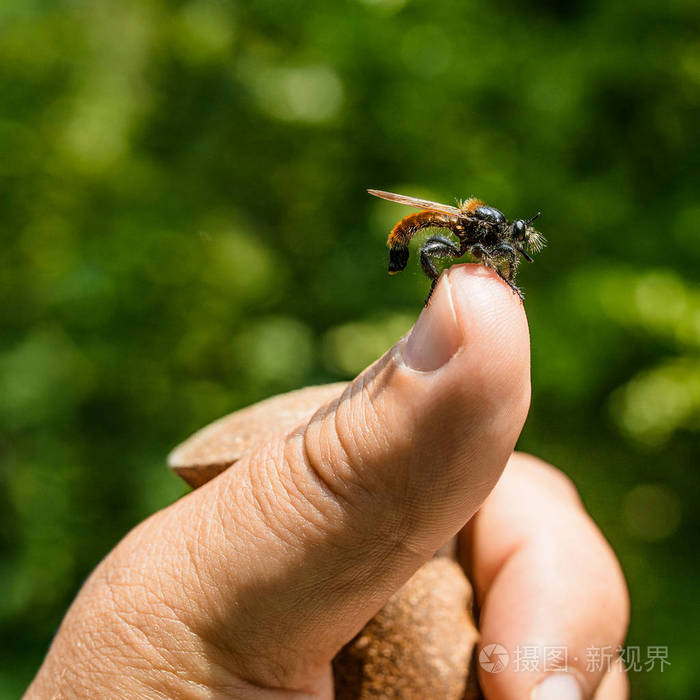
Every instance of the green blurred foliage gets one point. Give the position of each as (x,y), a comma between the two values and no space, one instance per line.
(185,231)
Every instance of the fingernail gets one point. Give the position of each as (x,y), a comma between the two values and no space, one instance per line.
(558,686)
(437,336)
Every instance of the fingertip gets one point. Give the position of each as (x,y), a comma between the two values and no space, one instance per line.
(496,334)
(486,287)
(489,310)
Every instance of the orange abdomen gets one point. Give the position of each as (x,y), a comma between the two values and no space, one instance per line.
(402,233)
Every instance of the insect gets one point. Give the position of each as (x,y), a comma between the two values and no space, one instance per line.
(482,231)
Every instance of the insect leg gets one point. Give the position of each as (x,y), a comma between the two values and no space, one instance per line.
(433,249)
(486,258)
(508,250)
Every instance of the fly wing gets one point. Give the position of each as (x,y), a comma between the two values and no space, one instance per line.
(417,203)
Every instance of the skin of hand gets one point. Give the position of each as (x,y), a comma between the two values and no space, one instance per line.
(248,587)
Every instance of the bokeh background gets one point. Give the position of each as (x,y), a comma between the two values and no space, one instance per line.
(185,230)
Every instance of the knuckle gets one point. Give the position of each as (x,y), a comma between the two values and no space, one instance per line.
(291,501)
(553,480)
(342,445)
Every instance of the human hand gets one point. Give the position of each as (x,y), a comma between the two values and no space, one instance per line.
(249,586)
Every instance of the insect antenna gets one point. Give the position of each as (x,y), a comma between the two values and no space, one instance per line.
(531,219)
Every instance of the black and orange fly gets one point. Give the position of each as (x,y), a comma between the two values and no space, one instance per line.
(482,231)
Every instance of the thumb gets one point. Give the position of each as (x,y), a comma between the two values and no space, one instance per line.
(283,558)
(333,519)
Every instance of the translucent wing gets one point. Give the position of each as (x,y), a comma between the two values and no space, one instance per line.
(417,203)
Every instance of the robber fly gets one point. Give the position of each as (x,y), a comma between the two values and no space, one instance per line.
(482,231)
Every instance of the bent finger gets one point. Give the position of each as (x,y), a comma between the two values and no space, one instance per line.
(552,592)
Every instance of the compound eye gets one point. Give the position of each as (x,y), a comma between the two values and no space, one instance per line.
(519,229)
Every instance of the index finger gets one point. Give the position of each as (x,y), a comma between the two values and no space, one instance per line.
(552,593)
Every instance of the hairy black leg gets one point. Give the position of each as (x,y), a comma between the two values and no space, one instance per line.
(478,251)
(433,249)
(486,257)
(510,283)
(513,261)
(508,250)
